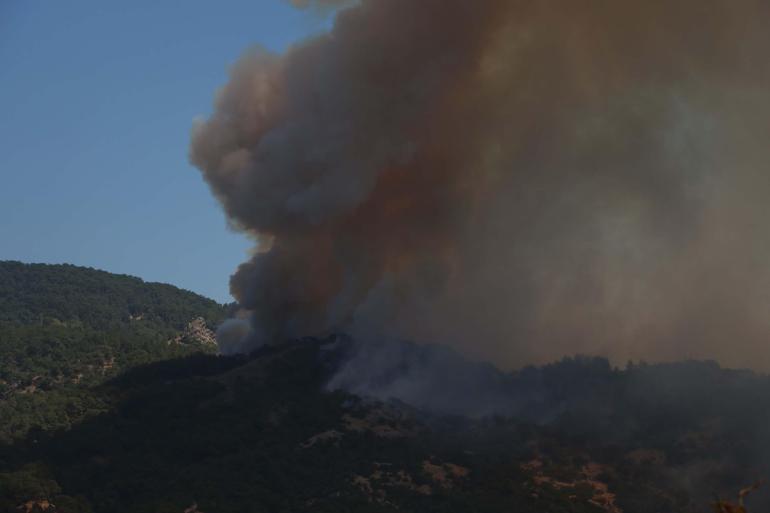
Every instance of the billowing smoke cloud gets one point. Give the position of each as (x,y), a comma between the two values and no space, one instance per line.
(520,179)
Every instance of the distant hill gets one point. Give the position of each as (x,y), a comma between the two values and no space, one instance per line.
(65,328)
(39,294)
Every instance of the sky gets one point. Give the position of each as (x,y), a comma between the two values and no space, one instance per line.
(96,104)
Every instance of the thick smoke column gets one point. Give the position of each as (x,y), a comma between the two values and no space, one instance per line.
(521,179)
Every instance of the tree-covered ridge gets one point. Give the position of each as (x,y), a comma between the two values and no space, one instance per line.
(64,329)
(39,294)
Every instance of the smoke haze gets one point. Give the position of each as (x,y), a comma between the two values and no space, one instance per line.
(518,179)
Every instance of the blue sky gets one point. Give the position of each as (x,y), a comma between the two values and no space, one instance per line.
(96,103)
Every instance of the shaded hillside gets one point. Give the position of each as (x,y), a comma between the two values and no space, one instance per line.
(265,434)
(259,434)
(65,328)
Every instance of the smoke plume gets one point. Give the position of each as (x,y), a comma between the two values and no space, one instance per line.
(519,179)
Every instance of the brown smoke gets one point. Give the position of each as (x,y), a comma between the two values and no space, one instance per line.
(521,179)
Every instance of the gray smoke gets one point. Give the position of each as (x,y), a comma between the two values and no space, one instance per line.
(233,337)
(519,179)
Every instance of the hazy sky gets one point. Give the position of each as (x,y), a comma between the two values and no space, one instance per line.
(96,103)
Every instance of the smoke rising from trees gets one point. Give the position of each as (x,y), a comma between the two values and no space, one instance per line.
(519,179)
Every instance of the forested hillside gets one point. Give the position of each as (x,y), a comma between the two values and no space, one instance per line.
(263,434)
(113,402)
(64,329)
(39,294)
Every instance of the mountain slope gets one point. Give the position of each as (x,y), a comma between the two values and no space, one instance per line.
(260,434)
(113,401)
(264,433)
(65,328)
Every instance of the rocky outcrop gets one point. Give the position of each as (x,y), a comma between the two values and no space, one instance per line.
(196,332)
